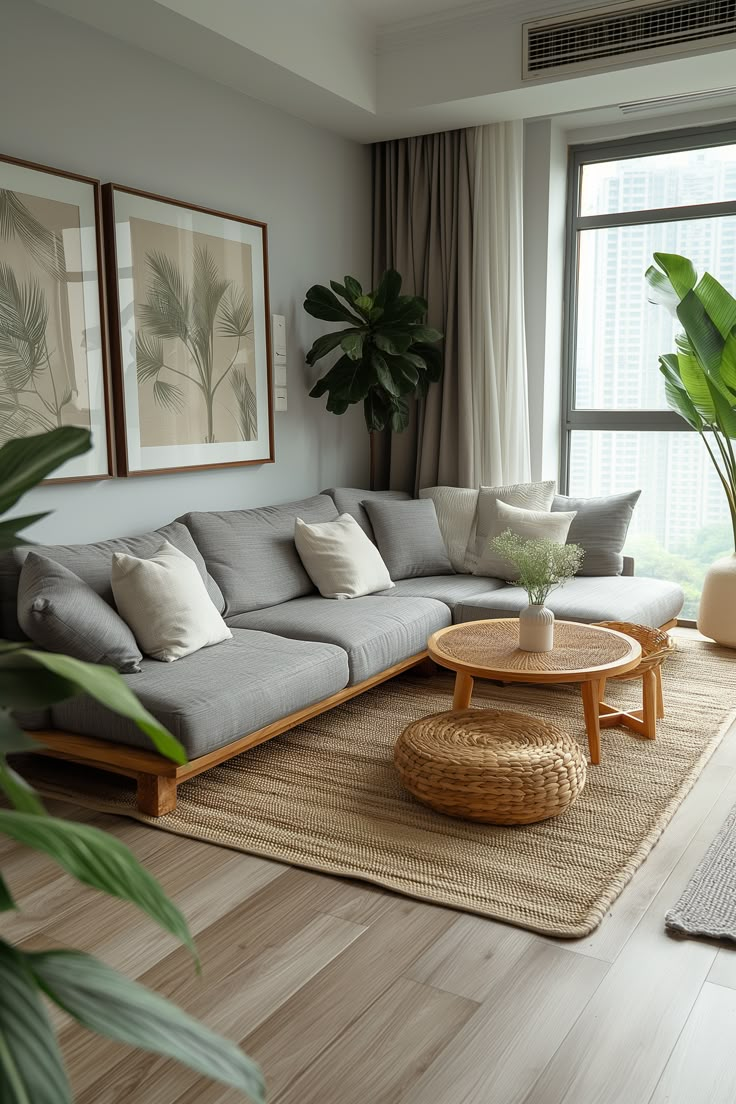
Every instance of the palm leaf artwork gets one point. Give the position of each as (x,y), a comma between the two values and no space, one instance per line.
(34,375)
(247,411)
(700,376)
(44,245)
(193,314)
(388,352)
(83,988)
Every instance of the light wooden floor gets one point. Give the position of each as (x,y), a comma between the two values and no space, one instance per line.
(350,995)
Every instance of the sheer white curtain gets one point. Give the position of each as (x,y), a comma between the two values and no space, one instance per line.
(499,427)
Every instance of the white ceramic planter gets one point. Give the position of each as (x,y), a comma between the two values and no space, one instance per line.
(717,613)
(536,629)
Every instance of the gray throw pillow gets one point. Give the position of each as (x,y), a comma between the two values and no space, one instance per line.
(409,538)
(61,613)
(600,526)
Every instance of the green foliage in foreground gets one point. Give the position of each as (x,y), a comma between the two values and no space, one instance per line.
(31,1067)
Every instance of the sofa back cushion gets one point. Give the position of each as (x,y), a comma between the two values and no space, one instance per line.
(92,563)
(348,501)
(251,553)
(600,528)
(456,515)
(409,538)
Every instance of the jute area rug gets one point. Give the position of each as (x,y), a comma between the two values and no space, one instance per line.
(708,905)
(325,796)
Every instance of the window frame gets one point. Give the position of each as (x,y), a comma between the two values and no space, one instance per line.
(589,153)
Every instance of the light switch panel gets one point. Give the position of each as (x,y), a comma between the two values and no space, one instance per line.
(278,327)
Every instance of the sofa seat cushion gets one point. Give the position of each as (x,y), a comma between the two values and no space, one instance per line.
(251,553)
(450,589)
(374,632)
(616,598)
(214,696)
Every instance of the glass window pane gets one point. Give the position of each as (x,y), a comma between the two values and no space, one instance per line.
(681,523)
(677,179)
(619,334)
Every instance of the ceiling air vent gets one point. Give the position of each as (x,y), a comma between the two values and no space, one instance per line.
(595,39)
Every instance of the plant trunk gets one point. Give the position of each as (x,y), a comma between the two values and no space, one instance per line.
(374,458)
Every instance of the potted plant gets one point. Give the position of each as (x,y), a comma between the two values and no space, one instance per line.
(388,353)
(542,566)
(700,384)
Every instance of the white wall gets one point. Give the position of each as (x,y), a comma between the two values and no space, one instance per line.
(79,100)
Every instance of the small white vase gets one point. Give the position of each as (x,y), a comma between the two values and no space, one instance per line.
(536,629)
(717,613)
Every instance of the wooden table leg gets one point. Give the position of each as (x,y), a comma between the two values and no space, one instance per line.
(463,691)
(649,703)
(591,697)
(660,695)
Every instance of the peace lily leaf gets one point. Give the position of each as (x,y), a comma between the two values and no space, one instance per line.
(31,1070)
(106,686)
(25,461)
(98,860)
(12,738)
(21,796)
(106,1002)
(6,898)
(10,530)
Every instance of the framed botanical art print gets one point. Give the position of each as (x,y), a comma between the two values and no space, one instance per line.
(53,369)
(190,334)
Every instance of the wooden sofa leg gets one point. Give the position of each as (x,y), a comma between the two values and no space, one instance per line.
(156,794)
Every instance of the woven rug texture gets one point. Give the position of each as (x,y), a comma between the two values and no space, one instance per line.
(708,905)
(326,796)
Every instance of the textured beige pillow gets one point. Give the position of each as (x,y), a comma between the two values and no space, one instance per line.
(340,559)
(456,509)
(527,496)
(165,602)
(529,524)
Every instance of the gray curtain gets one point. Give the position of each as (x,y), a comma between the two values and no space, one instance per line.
(422,226)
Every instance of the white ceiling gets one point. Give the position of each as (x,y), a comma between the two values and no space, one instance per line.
(377,69)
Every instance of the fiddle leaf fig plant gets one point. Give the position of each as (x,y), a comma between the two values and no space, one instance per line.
(388,353)
(101,1000)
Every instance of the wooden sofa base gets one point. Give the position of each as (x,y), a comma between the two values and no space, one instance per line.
(157,778)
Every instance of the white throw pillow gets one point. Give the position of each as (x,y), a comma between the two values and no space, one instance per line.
(456,508)
(529,524)
(340,559)
(527,496)
(165,602)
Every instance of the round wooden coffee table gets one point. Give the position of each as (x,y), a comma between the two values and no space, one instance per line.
(586,654)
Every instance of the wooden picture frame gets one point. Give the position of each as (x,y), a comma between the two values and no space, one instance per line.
(53,335)
(190,334)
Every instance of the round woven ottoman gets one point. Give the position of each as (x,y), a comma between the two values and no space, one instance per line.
(490,765)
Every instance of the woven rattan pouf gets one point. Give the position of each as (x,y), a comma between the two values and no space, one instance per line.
(490,765)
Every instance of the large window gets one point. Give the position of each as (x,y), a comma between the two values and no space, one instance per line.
(627,201)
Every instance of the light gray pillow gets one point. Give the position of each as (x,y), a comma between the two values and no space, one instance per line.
(600,526)
(409,538)
(527,496)
(61,613)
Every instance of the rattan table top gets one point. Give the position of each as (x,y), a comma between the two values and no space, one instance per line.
(490,649)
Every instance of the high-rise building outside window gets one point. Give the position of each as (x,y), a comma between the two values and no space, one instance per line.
(627,201)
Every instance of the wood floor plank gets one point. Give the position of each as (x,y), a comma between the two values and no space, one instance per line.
(506,1044)
(242,999)
(702,1065)
(470,956)
(723,970)
(618,1050)
(290,1040)
(407,1026)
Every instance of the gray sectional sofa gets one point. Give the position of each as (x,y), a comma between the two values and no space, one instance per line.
(293,654)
